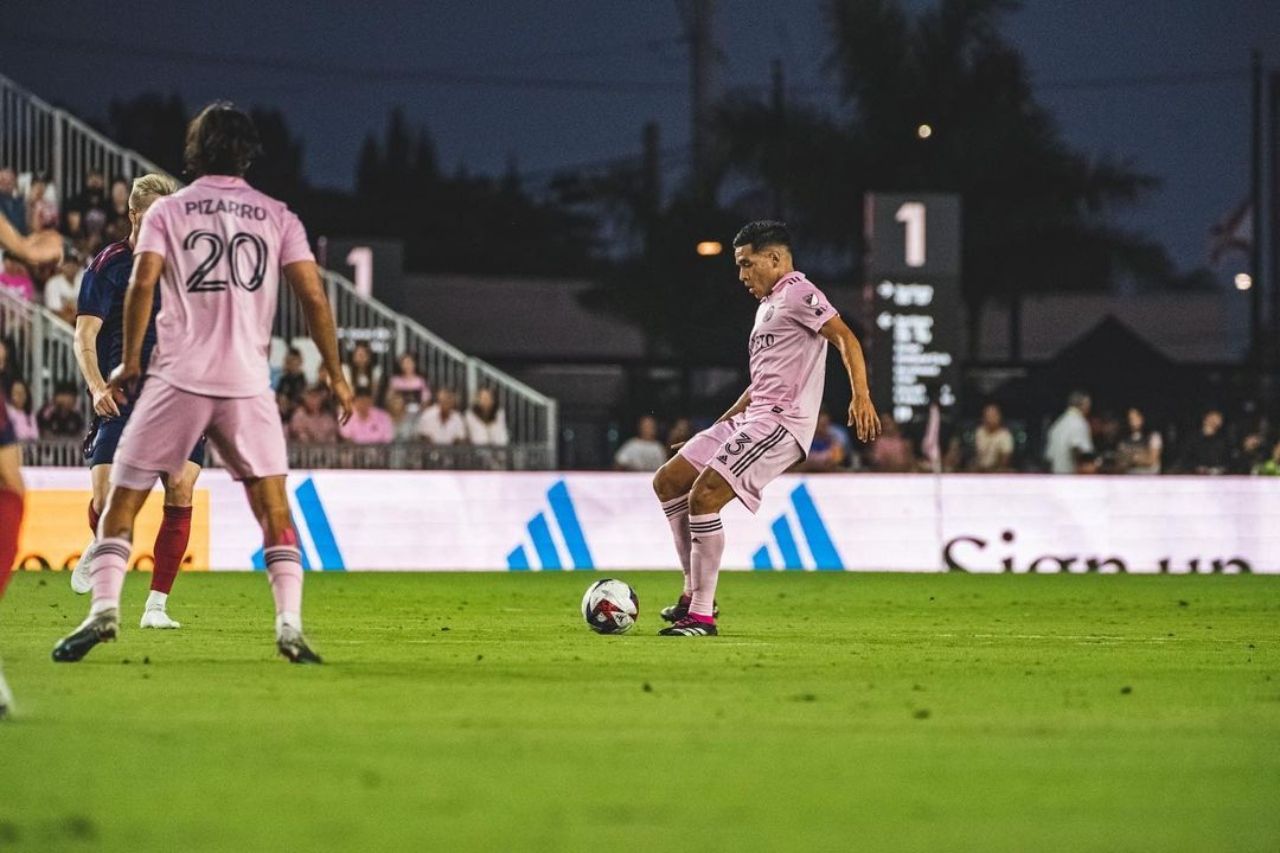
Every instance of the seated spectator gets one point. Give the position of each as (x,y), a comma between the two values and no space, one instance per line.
(312,423)
(403,422)
(63,289)
(1069,446)
(118,224)
(441,423)
(87,211)
(992,443)
(368,423)
(410,385)
(643,452)
(1207,452)
(292,383)
(486,423)
(12,205)
(680,432)
(892,452)
(1271,466)
(42,204)
(361,371)
(60,418)
(1254,448)
(18,405)
(8,368)
(1139,449)
(829,450)
(15,280)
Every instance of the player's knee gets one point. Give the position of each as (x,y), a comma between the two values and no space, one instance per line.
(708,496)
(179,494)
(662,484)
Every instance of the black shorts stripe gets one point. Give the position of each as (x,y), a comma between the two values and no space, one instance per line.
(760,450)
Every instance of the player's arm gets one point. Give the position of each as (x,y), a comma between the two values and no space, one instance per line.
(862,412)
(738,407)
(304,280)
(87,328)
(138,300)
(43,247)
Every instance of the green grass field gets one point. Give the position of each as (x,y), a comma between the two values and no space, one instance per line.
(476,712)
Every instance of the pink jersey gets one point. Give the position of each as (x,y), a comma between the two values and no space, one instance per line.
(224,245)
(789,357)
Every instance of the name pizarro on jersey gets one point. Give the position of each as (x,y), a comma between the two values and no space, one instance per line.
(211,206)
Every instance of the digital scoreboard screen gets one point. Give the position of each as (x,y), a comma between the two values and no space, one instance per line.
(912,299)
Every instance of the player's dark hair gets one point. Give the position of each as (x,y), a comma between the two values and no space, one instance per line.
(222,140)
(762,233)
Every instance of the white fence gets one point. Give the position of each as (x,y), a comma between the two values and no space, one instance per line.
(440,521)
(42,347)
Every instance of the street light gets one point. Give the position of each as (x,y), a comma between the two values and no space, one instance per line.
(924,131)
(1244,281)
(709,248)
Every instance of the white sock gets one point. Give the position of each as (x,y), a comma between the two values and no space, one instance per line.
(293,620)
(157,600)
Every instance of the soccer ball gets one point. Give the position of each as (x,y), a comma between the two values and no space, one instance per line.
(610,607)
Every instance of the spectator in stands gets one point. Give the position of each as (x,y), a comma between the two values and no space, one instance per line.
(118,224)
(292,383)
(15,279)
(441,423)
(892,452)
(680,432)
(368,424)
(87,211)
(60,418)
(403,422)
(643,452)
(361,371)
(1269,467)
(829,450)
(312,423)
(42,204)
(992,443)
(12,206)
(486,423)
(1207,452)
(410,385)
(24,423)
(8,366)
(62,289)
(1069,445)
(1139,449)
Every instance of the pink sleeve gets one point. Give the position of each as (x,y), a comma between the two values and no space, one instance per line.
(154,233)
(811,308)
(293,241)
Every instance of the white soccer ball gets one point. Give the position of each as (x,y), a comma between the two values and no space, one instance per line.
(610,607)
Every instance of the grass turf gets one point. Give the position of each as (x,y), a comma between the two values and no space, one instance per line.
(836,712)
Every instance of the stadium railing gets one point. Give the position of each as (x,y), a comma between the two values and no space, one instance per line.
(42,347)
(36,136)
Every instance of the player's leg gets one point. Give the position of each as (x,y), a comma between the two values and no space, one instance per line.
(710,493)
(171,544)
(247,433)
(100,481)
(672,484)
(12,495)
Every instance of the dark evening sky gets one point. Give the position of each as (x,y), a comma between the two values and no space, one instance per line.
(1163,83)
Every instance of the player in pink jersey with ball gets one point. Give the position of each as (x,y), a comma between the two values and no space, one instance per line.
(771,426)
(218,249)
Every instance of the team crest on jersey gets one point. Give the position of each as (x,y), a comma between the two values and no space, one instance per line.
(811,300)
(768,314)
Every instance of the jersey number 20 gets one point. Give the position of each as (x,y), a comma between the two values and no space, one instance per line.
(249,248)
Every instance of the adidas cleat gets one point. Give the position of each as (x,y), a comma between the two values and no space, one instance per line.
(680,610)
(156,617)
(294,646)
(80,582)
(6,699)
(690,628)
(98,628)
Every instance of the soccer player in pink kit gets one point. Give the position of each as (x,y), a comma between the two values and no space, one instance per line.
(771,426)
(218,249)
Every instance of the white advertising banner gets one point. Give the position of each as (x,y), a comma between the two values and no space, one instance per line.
(478,521)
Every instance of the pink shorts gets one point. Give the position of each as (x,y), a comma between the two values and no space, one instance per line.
(749,453)
(167,422)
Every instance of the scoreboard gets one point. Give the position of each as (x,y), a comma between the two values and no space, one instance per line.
(912,296)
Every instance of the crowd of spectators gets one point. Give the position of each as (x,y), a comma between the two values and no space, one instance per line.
(1080,440)
(396,409)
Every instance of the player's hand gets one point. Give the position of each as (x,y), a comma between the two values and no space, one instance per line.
(124,378)
(863,417)
(104,402)
(342,396)
(678,445)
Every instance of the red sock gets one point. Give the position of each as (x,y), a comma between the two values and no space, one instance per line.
(94,516)
(171,546)
(10,526)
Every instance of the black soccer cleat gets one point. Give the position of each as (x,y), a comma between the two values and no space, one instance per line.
(680,610)
(294,646)
(690,628)
(98,628)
